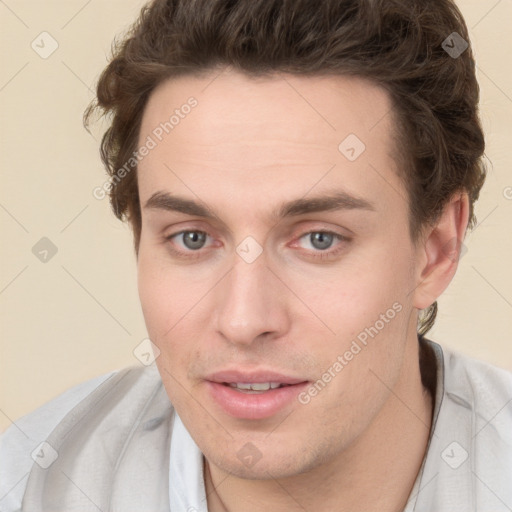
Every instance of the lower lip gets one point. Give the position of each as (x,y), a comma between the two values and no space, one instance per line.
(254,406)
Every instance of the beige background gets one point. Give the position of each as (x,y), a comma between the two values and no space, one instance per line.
(77,315)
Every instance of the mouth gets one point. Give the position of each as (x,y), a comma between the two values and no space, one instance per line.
(255,387)
(255,400)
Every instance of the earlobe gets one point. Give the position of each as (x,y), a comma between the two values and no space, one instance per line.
(441,251)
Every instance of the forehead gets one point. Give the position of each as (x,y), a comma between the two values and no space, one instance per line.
(270,137)
(319,108)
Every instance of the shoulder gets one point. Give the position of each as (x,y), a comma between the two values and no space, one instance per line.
(486,390)
(469,454)
(474,431)
(20,440)
(477,382)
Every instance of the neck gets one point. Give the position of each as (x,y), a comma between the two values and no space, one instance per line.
(377,472)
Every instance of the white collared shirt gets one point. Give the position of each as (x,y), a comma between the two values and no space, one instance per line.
(468,465)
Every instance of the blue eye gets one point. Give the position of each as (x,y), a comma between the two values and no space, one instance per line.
(321,240)
(192,240)
(321,245)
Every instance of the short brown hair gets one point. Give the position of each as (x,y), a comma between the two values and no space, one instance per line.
(397,44)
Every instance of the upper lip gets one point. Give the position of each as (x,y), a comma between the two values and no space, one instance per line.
(252,376)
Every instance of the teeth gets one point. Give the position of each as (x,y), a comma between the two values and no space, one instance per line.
(256,386)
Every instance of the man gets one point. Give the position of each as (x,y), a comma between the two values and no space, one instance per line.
(299,177)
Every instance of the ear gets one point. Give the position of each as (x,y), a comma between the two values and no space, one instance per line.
(440,250)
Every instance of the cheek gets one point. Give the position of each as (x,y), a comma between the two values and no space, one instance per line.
(164,298)
(365,303)
(350,296)
(153,294)
(173,312)
(165,293)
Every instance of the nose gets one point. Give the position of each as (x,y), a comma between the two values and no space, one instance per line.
(250,303)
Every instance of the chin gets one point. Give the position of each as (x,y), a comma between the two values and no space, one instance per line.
(269,464)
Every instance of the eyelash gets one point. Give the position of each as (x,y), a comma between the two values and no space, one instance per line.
(318,254)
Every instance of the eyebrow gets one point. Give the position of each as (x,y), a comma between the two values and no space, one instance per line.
(336,200)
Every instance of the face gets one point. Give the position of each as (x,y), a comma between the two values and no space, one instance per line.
(274,249)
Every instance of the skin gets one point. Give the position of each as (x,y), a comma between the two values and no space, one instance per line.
(247,147)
